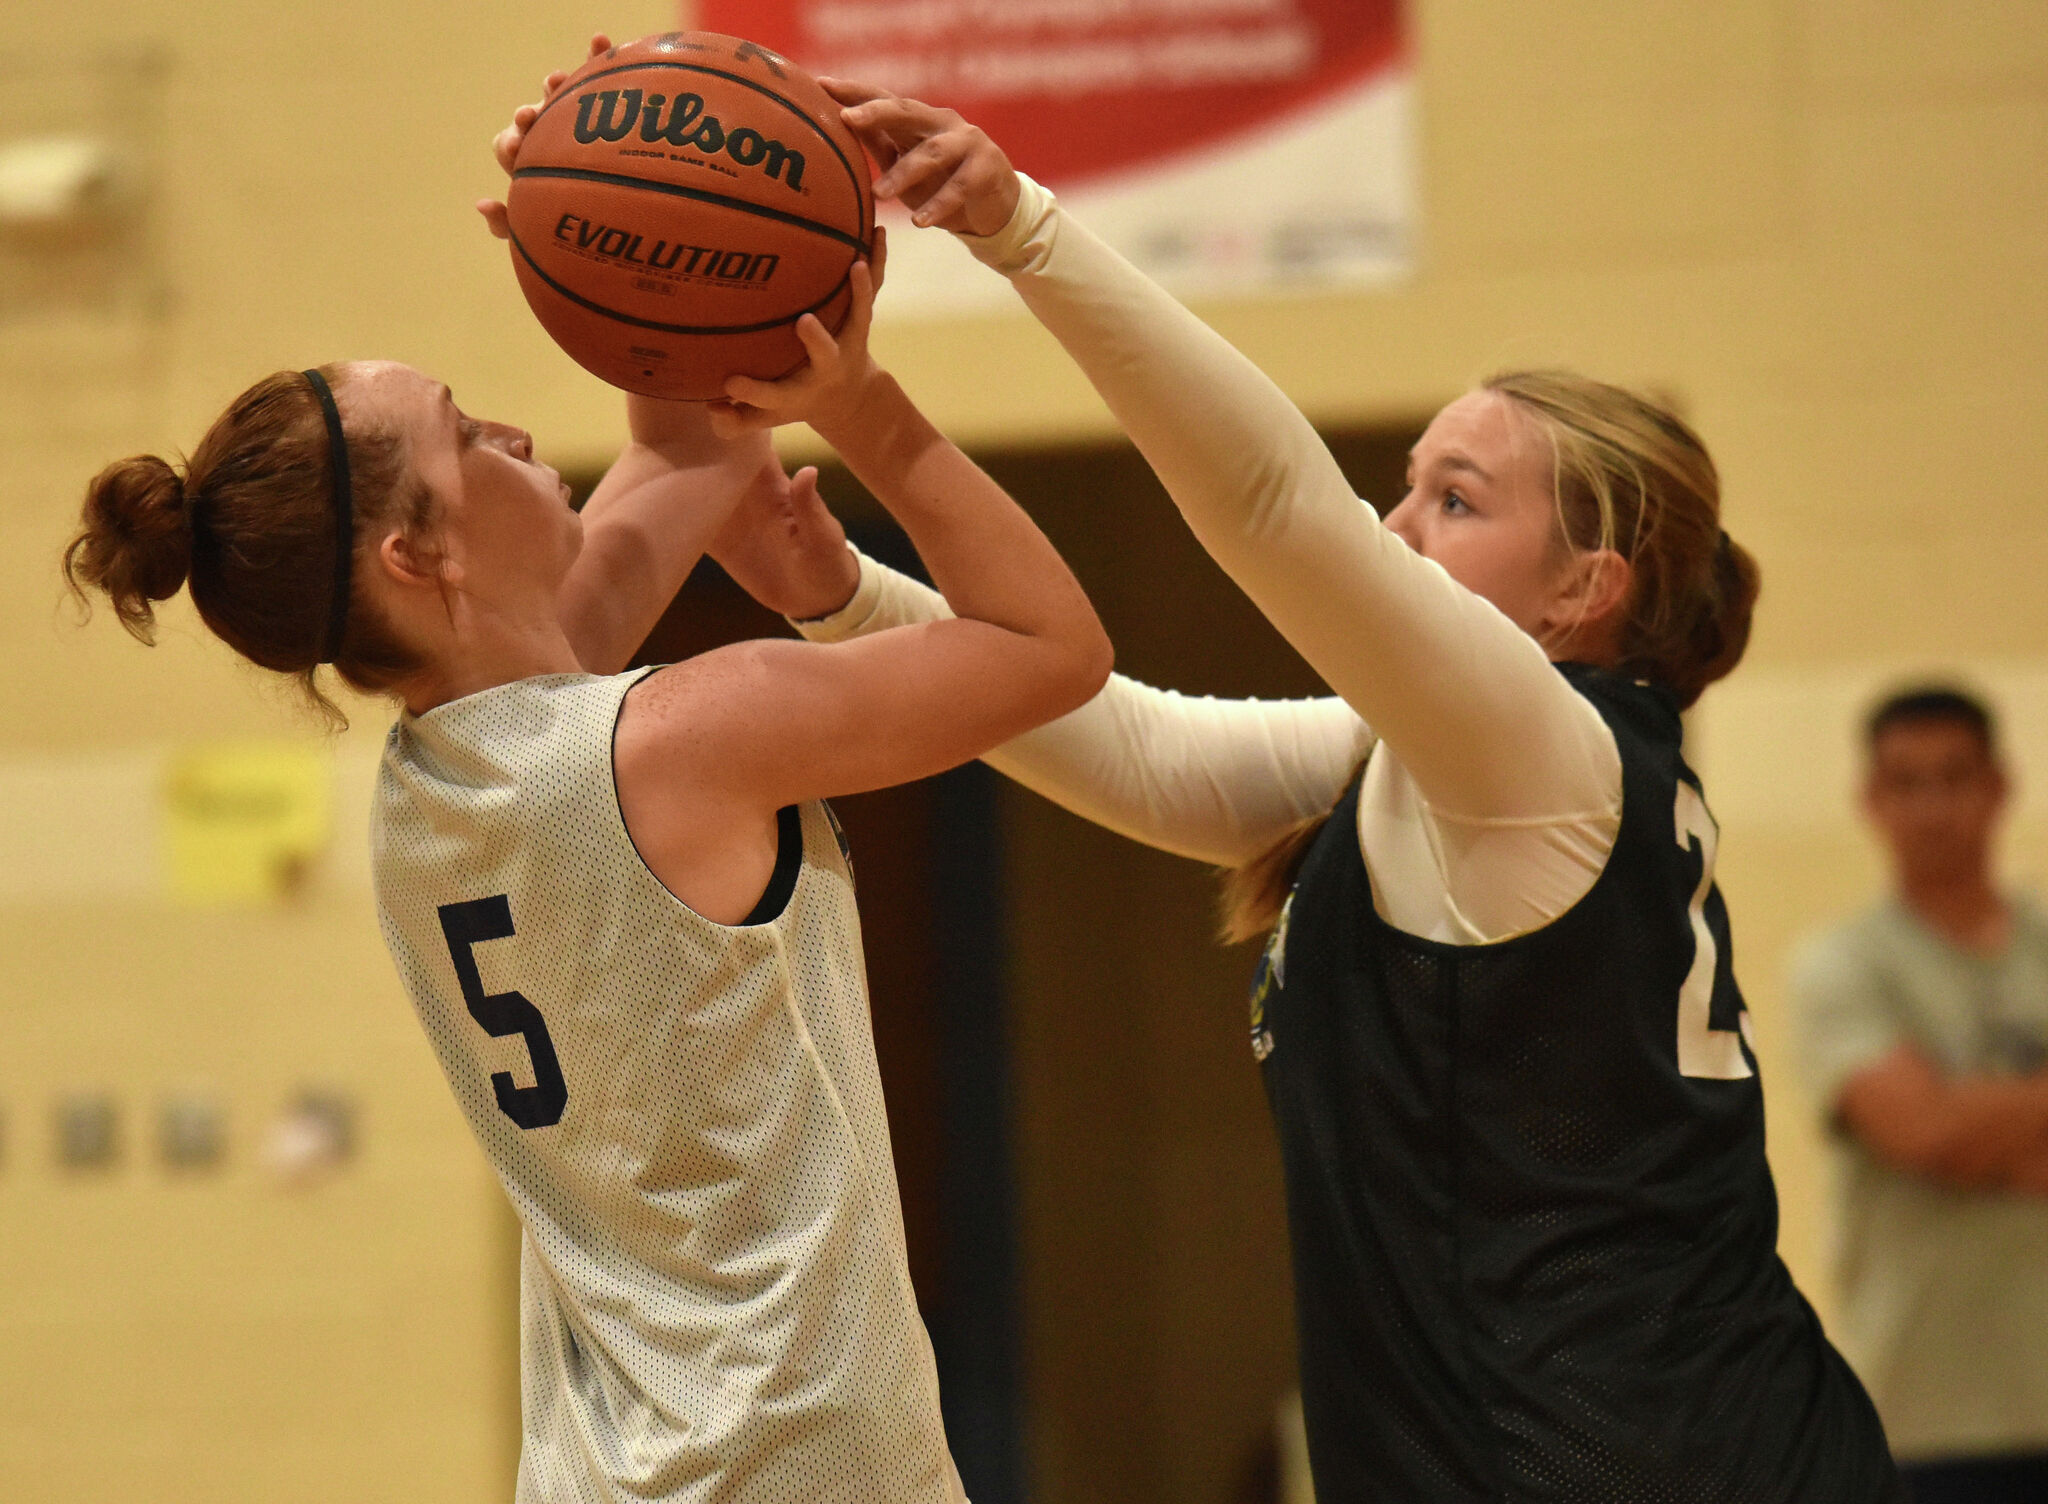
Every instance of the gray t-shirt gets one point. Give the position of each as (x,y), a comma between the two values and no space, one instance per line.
(1944,1291)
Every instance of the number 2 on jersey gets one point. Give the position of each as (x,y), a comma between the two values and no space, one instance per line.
(1703,1050)
(466,926)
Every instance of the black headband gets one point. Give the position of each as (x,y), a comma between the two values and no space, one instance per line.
(344,517)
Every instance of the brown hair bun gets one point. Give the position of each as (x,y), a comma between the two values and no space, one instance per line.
(136,542)
(249,529)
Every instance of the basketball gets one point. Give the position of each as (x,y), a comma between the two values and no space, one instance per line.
(678,205)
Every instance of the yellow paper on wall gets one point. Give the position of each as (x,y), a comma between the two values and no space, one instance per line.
(242,821)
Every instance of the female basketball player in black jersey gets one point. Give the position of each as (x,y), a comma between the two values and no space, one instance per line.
(1533,1227)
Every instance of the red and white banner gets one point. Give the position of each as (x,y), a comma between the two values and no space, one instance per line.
(1224,145)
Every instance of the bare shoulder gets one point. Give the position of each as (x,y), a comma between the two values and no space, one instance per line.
(697,707)
(685,756)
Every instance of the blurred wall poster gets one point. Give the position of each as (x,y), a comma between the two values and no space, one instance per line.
(1225,146)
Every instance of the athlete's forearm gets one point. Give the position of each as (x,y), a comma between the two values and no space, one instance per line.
(989,559)
(648,522)
(1215,780)
(1968,1131)
(1467,700)
(1991,1131)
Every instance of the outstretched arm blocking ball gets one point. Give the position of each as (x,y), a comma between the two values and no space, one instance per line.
(942,168)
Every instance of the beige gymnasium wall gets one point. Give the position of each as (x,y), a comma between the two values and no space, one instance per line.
(1820,225)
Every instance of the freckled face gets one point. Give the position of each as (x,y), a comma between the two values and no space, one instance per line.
(504,517)
(1480,503)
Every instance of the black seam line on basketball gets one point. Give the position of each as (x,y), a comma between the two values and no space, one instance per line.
(700,195)
(626,318)
(746,83)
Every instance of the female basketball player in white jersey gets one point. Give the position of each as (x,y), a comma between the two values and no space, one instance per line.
(624,917)
(1532,1225)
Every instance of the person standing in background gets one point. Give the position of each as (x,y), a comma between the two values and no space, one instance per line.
(1923,1029)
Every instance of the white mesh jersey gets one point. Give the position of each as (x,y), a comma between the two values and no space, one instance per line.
(716,1304)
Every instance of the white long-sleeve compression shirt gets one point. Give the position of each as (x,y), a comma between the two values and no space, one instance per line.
(1492,789)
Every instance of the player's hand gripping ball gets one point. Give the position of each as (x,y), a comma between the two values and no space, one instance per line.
(678,204)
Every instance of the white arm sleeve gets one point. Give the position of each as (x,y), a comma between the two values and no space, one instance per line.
(1217,780)
(1485,725)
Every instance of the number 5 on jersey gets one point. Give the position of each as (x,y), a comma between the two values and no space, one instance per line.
(1703,1050)
(467,925)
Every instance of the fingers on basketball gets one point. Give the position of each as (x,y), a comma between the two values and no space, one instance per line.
(853,334)
(552,84)
(968,181)
(908,121)
(820,346)
(803,490)
(925,168)
(507,142)
(878,259)
(851,92)
(881,149)
(877,144)
(890,127)
(747,397)
(734,417)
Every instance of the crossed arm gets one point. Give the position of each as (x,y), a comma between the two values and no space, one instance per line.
(1976,1132)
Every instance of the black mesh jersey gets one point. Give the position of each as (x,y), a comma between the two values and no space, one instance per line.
(1533,1258)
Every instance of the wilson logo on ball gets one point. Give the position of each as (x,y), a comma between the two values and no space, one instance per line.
(611,114)
(679,206)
